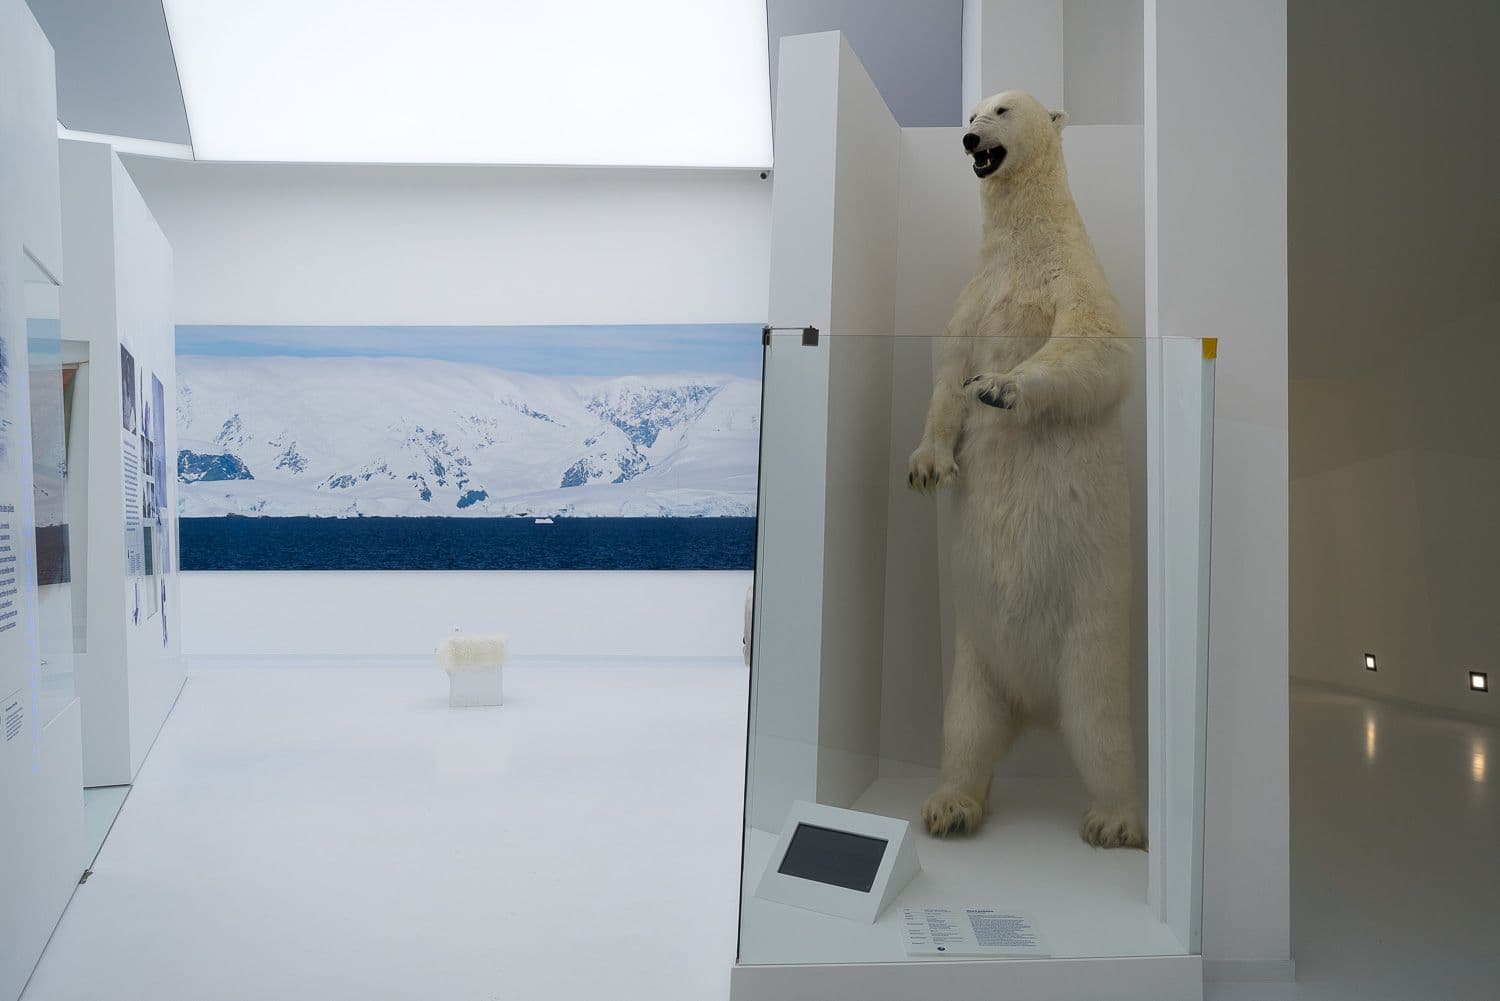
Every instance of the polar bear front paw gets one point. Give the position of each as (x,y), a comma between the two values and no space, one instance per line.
(1113,827)
(931,467)
(948,811)
(999,391)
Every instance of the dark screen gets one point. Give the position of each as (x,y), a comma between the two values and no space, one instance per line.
(834,857)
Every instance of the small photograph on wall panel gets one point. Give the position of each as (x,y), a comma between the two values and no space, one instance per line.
(49,460)
(7,423)
(158,432)
(468,448)
(128,405)
(132,457)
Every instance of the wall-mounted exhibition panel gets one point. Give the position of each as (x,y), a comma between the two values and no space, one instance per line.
(41,801)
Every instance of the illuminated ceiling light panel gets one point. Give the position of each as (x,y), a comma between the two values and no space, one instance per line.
(669,83)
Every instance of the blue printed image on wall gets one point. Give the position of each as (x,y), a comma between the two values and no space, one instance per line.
(468,448)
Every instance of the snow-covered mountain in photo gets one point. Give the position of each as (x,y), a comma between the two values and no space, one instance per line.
(343,437)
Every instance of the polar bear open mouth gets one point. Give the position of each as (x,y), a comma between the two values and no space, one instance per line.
(987,161)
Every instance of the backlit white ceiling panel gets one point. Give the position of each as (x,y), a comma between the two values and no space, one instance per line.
(606,82)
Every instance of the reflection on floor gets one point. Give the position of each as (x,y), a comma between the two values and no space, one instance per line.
(1395,852)
(1027,857)
(339,833)
(101,805)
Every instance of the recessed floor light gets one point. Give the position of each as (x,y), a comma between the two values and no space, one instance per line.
(1479,681)
(1369,662)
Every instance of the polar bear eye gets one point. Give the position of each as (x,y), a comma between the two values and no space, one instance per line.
(1001,111)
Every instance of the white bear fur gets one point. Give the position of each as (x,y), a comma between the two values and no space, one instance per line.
(1041,550)
(464,652)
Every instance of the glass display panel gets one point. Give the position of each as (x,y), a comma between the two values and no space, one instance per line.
(48,395)
(981,608)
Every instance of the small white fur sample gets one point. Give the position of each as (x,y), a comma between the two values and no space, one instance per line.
(464,652)
(1024,426)
(474,667)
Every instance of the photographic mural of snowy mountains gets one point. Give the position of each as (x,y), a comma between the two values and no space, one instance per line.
(332,435)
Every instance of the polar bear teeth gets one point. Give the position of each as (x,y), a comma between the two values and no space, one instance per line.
(987,161)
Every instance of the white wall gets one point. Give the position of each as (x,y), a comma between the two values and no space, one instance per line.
(1216,188)
(1395,463)
(358,244)
(457,245)
(119,292)
(862,294)
(404,614)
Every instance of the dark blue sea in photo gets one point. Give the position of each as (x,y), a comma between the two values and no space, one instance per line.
(467,544)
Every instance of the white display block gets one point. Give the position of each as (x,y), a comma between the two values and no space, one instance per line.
(841,862)
(475,687)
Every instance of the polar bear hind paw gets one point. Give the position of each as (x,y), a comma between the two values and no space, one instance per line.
(1113,827)
(996,391)
(930,468)
(948,812)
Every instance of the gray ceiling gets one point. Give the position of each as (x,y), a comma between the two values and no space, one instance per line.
(116,74)
(912,49)
(115,71)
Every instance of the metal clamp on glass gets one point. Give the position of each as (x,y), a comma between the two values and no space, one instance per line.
(809,335)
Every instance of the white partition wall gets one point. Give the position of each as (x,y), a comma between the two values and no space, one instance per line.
(41,799)
(833,256)
(117,307)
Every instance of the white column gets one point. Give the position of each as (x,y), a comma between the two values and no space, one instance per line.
(1216,176)
(1013,45)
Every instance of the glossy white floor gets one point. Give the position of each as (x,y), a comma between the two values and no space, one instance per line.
(1395,852)
(339,833)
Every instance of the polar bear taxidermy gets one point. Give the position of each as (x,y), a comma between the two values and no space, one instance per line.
(1024,427)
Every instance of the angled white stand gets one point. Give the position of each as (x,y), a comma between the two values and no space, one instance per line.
(898,863)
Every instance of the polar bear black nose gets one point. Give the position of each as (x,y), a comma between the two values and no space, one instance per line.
(970,141)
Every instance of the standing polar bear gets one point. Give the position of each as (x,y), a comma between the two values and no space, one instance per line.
(1024,426)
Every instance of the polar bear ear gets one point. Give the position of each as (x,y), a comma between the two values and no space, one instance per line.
(1059,119)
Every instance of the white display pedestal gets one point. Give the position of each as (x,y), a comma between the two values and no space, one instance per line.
(475,687)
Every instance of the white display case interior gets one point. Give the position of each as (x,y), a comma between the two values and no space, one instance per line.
(853,654)
(875,233)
